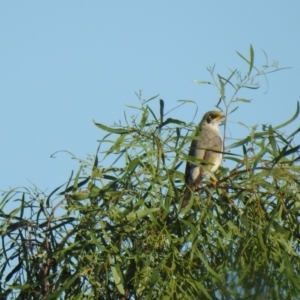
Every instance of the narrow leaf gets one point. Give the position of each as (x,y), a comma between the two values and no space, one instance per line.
(161,109)
(152,113)
(71,188)
(291,120)
(152,98)
(272,140)
(253,87)
(244,58)
(222,87)
(201,82)
(114,130)
(233,110)
(117,275)
(241,100)
(251,60)
(144,118)
(293,150)
(173,121)
(75,185)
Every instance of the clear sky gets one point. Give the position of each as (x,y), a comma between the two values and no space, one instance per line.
(65,63)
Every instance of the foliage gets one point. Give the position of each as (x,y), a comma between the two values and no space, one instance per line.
(116,231)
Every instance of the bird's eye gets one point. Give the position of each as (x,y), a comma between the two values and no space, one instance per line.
(208,119)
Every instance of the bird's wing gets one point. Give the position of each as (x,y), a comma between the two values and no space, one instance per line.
(192,171)
(215,146)
(199,149)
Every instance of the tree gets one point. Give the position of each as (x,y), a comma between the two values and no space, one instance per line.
(116,231)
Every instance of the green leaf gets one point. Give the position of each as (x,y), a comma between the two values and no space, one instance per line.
(134,163)
(94,190)
(244,58)
(115,130)
(177,137)
(136,215)
(248,139)
(294,133)
(229,78)
(222,87)
(252,87)
(290,120)
(241,100)
(161,109)
(172,121)
(251,60)
(272,140)
(291,151)
(199,287)
(75,185)
(284,152)
(152,98)
(20,287)
(208,267)
(233,110)
(144,117)
(116,146)
(234,228)
(13,271)
(201,82)
(63,287)
(117,275)
(81,195)
(7,198)
(152,113)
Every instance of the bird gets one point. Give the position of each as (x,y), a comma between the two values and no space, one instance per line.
(206,146)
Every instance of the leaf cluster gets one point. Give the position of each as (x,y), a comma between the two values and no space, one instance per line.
(117,232)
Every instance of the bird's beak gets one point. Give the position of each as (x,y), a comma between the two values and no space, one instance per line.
(220,117)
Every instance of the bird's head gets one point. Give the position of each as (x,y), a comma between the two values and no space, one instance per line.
(212,118)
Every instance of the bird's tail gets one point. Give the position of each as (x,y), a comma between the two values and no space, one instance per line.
(187,196)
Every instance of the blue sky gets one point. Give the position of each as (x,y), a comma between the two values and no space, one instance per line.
(66,63)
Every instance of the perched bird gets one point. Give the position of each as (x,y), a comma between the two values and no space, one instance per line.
(206,146)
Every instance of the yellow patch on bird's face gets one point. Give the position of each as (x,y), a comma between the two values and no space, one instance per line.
(214,116)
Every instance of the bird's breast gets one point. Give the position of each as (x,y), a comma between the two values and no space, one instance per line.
(195,172)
